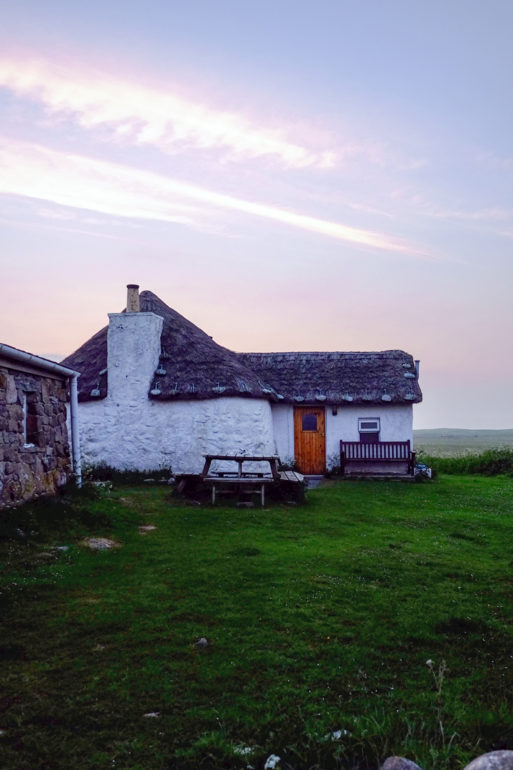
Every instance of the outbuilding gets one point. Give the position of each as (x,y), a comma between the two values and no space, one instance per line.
(35,454)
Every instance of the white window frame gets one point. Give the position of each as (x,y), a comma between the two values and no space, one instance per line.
(376,429)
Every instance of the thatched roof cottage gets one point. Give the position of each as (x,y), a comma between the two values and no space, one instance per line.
(157,392)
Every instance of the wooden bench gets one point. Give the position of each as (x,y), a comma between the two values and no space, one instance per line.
(376,453)
(240,480)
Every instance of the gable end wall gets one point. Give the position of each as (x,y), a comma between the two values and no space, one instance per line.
(31,471)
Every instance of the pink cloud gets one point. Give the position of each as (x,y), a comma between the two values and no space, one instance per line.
(71,180)
(155,116)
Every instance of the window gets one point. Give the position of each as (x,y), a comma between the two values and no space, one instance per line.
(369,428)
(30,423)
(309,422)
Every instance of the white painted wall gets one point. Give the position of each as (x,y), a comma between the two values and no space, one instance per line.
(129,431)
(283,419)
(396,425)
(173,434)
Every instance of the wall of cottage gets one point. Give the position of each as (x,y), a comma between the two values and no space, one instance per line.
(396,425)
(150,435)
(28,470)
(129,431)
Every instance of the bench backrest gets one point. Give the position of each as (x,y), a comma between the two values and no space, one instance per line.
(383,450)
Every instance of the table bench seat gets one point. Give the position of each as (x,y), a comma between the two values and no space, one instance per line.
(240,480)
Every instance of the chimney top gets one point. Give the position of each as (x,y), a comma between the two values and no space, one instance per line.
(132,298)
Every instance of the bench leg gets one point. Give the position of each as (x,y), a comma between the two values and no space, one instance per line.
(213,494)
(262,494)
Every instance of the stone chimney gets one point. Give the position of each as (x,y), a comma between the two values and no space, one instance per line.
(132,298)
(133,350)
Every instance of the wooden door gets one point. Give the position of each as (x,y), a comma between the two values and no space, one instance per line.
(310,439)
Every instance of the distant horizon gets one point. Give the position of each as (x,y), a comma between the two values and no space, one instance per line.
(470,430)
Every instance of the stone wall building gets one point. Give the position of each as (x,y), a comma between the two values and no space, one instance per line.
(36,455)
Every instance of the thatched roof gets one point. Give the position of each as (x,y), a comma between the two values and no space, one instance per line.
(338,378)
(193,366)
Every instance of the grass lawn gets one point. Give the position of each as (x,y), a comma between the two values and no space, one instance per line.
(319,621)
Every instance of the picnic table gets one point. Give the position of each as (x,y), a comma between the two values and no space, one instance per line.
(241,479)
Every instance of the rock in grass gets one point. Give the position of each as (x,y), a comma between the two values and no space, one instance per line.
(100,543)
(495,760)
(201,643)
(399,763)
(271,762)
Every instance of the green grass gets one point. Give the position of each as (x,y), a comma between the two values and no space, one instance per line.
(319,618)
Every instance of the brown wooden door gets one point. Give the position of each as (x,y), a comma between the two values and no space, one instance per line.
(310,439)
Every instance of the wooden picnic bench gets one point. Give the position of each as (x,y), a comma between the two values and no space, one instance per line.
(376,453)
(240,480)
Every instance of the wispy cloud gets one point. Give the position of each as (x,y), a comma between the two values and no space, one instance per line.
(138,114)
(479,215)
(428,208)
(493,161)
(71,180)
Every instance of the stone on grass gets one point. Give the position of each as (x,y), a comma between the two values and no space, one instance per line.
(100,543)
(102,484)
(495,760)
(399,763)
(152,715)
(145,528)
(201,643)
(271,762)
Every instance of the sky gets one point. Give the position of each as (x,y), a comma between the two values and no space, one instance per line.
(288,175)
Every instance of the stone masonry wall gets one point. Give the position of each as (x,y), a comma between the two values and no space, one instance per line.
(38,462)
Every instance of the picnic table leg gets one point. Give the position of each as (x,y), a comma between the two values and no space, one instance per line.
(262,493)
(213,494)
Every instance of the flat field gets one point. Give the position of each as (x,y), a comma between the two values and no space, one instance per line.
(455,442)
(375,619)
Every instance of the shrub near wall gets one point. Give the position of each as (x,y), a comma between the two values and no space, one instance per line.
(34,449)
